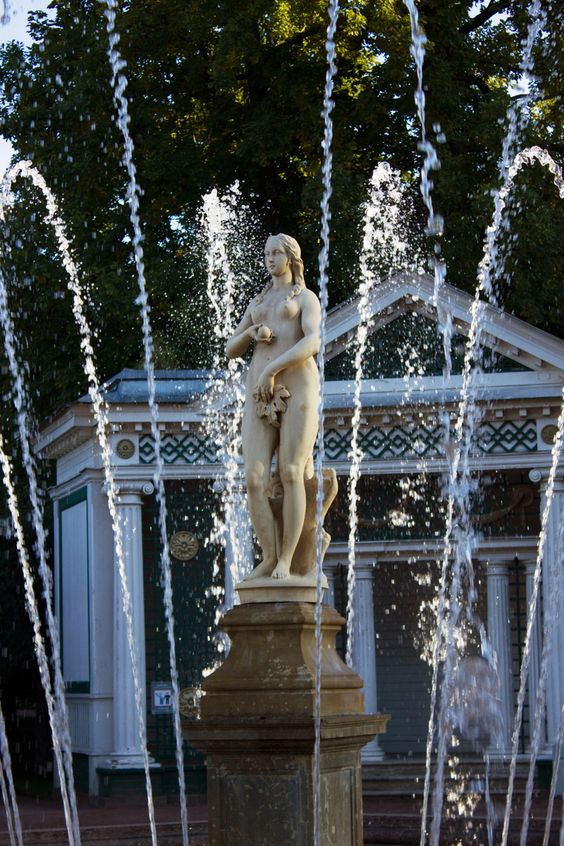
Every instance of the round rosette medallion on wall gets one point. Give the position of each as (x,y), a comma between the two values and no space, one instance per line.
(125,448)
(548,434)
(184,546)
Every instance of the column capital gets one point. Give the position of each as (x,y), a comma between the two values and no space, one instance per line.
(497,567)
(539,475)
(134,488)
(364,570)
(530,566)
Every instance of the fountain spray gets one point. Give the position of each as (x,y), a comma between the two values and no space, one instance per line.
(119,85)
(327,170)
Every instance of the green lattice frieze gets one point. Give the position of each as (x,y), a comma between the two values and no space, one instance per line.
(383,443)
(178,449)
(511,436)
(426,441)
(417,440)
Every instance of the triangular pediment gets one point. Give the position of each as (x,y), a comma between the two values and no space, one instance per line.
(527,364)
(410,345)
(404,313)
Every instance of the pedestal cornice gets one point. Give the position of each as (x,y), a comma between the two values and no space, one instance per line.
(275,736)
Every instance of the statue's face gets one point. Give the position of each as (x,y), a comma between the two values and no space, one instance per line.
(276,261)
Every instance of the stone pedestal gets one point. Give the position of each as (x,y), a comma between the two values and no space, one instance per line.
(258,731)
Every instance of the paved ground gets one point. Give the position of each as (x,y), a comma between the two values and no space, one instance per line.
(47,813)
(387,821)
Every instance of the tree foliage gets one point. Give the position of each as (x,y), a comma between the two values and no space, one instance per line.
(220,92)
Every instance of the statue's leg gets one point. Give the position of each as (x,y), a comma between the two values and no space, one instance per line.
(297,437)
(259,442)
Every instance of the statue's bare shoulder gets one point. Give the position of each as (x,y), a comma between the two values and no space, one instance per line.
(310,309)
(308,299)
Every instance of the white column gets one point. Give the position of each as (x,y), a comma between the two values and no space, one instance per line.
(499,634)
(127,745)
(364,650)
(536,639)
(552,599)
(329,598)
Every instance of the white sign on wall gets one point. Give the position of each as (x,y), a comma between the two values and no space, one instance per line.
(161,697)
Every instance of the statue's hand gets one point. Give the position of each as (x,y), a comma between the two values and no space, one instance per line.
(260,332)
(265,386)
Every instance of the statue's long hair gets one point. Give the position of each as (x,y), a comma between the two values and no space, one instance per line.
(294,254)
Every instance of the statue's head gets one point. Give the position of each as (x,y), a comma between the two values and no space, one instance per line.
(294,254)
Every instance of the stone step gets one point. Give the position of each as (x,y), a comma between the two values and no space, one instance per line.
(392,779)
(405,830)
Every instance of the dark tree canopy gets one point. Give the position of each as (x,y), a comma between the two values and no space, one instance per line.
(222,92)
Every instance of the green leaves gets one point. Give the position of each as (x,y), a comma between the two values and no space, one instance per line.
(220,92)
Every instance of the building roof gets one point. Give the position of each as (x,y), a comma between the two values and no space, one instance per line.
(537,377)
(171,386)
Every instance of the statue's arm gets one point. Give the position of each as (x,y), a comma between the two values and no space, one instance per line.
(305,348)
(239,341)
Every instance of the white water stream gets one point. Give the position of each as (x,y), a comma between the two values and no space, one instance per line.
(556,772)
(7,787)
(458,489)
(119,85)
(557,451)
(59,723)
(327,172)
(387,246)
(222,223)
(232,467)
(20,399)
(61,753)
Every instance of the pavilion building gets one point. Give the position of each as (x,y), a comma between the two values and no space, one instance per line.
(406,400)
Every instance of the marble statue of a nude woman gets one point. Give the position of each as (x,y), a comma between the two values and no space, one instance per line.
(281,408)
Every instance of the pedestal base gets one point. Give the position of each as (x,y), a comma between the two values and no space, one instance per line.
(292,589)
(258,732)
(261,780)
